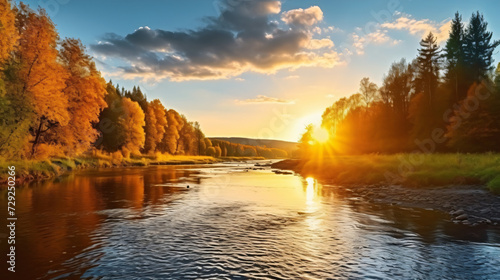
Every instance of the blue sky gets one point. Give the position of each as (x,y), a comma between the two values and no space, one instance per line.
(333,44)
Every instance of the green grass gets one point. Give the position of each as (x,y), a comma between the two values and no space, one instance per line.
(28,170)
(407,169)
(35,170)
(494,184)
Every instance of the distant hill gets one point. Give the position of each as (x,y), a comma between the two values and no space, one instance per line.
(289,147)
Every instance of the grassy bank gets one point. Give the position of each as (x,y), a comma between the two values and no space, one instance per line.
(29,170)
(407,169)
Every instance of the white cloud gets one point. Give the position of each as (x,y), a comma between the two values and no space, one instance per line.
(260,99)
(332,29)
(378,37)
(301,17)
(316,44)
(420,27)
(291,77)
(404,22)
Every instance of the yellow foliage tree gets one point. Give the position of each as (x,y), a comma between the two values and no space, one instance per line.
(132,122)
(172,134)
(40,76)
(13,129)
(8,31)
(85,90)
(156,123)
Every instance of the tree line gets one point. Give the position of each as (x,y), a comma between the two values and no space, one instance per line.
(445,100)
(54,102)
(227,149)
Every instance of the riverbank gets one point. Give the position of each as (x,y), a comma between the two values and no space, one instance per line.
(34,170)
(462,185)
(415,170)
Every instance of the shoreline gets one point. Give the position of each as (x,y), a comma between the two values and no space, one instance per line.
(467,204)
(31,171)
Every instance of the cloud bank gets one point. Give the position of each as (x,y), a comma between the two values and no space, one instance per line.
(264,99)
(244,37)
(404,22)
(420,27)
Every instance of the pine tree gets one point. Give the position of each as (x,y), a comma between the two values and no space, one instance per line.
(454,55)
(478,48)
(428,67)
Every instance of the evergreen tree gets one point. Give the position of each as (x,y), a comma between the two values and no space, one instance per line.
(478,48)
(112,132)
(428,67)
(454,55)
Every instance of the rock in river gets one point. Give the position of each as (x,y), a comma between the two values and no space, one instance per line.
(462,217)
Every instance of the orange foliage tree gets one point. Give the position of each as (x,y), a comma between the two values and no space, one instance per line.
(85,90)
(156,123)
(172,135)
(12,114)
(8,31)
(132,122)
(41,78)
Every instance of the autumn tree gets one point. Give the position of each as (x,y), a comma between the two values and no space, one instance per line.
(156,123)
(8,32)
(188,138)
(39,76)
(218,151)
(398,87)
(200,140)
(85,90)
(132,122)
(368,91)
(475,124)
(334,115)
(172,135)
(13,114)
(306,140)
(211,151)
(208,142)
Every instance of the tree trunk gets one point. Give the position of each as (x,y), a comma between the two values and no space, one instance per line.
(37,137)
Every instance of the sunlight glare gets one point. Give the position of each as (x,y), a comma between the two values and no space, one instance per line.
(320,134)
(300,125)
(310,189)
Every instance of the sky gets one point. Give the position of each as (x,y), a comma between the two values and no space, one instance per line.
(254,68)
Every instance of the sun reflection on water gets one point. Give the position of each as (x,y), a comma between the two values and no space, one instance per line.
(310,190)
(312,203)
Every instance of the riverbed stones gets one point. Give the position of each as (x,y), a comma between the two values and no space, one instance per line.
(458,212)
(462,217)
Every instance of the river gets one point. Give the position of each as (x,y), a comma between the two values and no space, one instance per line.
(232,222)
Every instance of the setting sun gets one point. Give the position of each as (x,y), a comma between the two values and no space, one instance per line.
(320,135)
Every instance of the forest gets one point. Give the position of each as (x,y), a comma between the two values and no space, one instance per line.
(55,103)
(445,100)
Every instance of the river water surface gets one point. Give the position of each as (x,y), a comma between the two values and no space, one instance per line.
(231,223)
